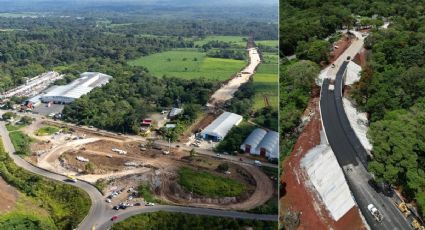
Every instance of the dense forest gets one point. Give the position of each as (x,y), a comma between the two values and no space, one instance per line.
(121,104)
(40,45)
(296,81)
(312,21)
(391,89)
(392,92)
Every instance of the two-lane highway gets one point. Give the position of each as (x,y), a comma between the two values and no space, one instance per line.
(352,157)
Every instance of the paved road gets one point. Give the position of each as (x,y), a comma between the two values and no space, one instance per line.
(207,152)
(353,158)
(100,212)
(122,215)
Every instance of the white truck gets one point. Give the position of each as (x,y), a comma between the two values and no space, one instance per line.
(375,213)
(119,151)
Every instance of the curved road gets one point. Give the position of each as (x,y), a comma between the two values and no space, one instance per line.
(100,213)
(352,157)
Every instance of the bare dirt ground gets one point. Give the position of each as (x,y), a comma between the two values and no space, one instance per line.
(227,91)
(58,153)
(300,197)
(342,44)
(9,195)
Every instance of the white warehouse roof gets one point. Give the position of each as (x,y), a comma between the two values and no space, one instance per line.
(67,93)
(270,143)
(222,125)
(254,139)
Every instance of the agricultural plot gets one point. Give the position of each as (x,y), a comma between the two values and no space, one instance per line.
(266,82)
(230,39)
(189,64)
(272,43)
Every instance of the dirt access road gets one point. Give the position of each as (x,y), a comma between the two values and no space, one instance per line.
(227,91)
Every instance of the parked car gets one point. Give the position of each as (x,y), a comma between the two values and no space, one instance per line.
(114,218)
(108,200)
(116,207)
(150,204)
(138,204)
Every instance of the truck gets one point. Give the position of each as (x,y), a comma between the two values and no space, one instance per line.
(72,178)
(375,213)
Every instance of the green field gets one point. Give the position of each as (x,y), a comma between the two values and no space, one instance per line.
(230,39)
(46,130)
(266,82)
(272,43)
(21,142)
(207,184)
(189,64)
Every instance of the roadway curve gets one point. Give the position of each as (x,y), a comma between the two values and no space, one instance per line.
(100,213)
(352,157)
(122,215)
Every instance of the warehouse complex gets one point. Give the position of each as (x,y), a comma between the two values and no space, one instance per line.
(65,94)
(219,128)
(263,143)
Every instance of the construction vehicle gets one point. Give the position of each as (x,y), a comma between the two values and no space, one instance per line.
(72,178)
(416,225)
(375,213)
(404,209)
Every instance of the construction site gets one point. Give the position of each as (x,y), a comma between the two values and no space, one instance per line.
(117,163)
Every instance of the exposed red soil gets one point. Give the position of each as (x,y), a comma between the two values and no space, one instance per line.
(299,196)
(360,58)
(342,44)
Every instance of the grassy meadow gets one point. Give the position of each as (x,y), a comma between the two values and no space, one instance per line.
(189,64)
(266,81)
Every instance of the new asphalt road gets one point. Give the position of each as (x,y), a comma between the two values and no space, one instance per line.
(100,213)
(352,157)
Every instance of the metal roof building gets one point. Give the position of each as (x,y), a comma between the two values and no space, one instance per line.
(68,93)
(219,128)
(269,146)
(174,112)
(251,142)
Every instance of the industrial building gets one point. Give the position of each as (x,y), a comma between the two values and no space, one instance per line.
(219,128)
(263,143)
(33,86)
(65,94)
(253,140)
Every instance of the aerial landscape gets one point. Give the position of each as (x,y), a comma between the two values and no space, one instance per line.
(139,114)
(352,114)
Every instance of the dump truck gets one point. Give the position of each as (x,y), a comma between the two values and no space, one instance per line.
(375,212)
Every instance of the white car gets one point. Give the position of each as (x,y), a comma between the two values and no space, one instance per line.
(258,163)
(150,204)
(108,200)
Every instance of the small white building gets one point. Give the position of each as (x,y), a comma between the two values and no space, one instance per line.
(219,128)
(65,94)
